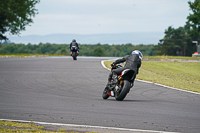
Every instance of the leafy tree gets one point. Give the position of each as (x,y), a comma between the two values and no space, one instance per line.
(2,27)
(179,41)
(194,18)
(63,51)
(98,51)
(189,49)
(15,15)
(173,42)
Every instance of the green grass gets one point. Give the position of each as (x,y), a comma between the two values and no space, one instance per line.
(16,127)
(165,57)
(181,75)
(15,124)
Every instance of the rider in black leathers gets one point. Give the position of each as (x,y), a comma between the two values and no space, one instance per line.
(133,62)
(73,43)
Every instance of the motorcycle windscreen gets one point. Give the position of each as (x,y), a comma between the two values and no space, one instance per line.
(74,48)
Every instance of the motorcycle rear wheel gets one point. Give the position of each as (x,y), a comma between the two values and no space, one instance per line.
(125,89)
(74,56)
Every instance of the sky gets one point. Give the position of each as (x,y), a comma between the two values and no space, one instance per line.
(107,16)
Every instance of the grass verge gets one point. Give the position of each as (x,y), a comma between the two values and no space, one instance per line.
(16,127)
(181,75)
(165,57)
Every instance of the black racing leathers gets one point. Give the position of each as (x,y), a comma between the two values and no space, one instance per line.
(132,62)
(74,44)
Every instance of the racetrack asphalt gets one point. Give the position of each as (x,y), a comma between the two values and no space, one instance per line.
(60,90)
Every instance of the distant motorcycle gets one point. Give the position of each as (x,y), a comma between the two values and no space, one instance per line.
(120,85)
(74,52)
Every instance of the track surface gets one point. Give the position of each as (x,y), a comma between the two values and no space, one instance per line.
(60,90)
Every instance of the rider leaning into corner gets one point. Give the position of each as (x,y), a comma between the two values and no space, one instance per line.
(73,43)
(133,62)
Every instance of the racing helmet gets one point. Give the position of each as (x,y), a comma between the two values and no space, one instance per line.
(73,40)
(138,53)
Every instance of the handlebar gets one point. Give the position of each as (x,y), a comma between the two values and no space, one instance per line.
(116,66)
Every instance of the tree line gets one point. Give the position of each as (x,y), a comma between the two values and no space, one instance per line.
(85,49)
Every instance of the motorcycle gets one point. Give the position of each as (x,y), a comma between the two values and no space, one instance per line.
(74,52)
(120,84)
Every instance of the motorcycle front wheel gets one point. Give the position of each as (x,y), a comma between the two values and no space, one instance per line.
(105,94)
(125,88)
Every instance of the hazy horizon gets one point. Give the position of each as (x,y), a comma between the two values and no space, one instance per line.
(117,38)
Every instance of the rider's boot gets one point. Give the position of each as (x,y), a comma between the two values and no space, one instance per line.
(132,81)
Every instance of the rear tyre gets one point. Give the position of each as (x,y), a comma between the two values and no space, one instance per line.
(74,56)
(105,94)
(125,89)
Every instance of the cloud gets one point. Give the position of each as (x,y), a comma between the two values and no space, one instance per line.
(107,16)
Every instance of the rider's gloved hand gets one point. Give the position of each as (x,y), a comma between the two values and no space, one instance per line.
(113,64)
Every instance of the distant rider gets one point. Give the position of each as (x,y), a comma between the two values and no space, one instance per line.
(73,43)
(133,62)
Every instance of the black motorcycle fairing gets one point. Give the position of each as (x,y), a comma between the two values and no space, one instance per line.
(74,48)
(127,74)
